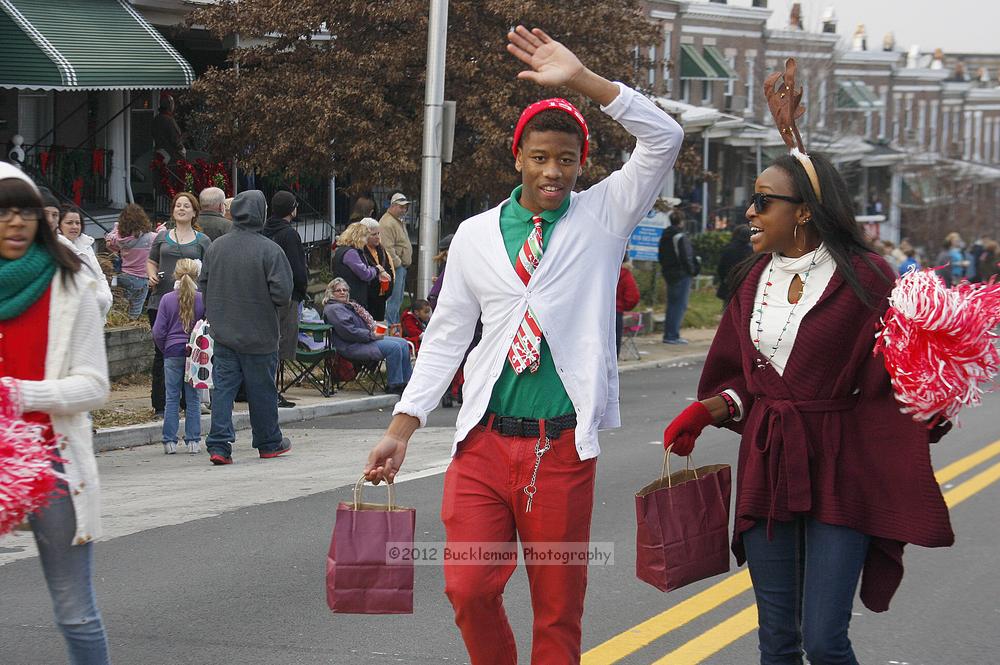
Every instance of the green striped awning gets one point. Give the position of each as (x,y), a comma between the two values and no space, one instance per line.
(857,96)
(85,45)
(694,65)
(719,63)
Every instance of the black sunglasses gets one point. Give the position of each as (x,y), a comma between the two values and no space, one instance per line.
(759,200)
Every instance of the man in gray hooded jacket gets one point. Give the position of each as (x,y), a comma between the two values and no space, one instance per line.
(244,280)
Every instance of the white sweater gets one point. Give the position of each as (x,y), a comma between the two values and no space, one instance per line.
(83,247)
(76,381)
(572,292)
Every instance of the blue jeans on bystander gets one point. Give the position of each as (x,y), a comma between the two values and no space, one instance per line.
(135,289)
(395,300)
(396,352)
(804,580)
(68,573)
(173,378)
(257,371)
(677,304)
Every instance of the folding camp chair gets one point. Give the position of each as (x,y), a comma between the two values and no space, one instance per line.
(631,327)
(310,364)
(368,375)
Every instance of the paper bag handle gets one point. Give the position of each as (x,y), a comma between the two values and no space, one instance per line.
(665,470)
(358,490)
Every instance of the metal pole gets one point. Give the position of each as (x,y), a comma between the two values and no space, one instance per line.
(759,158)
(430,179)
(235,179)
(704,187)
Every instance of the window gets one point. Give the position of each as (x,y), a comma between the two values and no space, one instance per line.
(34,117)
(685,90)
(731,83)
(967,147)
(945,124)
(751,85)
(668,75)
(652,66)
(933,139)
(706,93)
(821,122)
(921,123)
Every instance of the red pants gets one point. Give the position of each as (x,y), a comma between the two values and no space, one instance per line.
(484,502)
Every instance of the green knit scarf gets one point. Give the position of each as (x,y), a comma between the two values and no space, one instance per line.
(24,280)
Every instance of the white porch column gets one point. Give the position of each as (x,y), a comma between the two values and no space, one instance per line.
(893,232)
(118,168)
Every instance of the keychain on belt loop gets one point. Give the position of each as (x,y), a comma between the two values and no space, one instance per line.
(539,451)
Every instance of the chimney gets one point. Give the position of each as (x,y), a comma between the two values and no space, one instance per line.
(913,57)
(889,42)
(830,20)
(938,61)
(860,41)
(795,17)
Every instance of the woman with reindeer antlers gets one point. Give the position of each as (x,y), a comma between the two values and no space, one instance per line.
(832,479)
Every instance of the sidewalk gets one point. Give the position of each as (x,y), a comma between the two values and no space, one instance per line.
(309,404)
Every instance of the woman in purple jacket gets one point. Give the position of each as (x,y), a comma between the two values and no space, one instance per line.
(355,338)
(177,314)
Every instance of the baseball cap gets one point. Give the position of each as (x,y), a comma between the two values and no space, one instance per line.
(399,198)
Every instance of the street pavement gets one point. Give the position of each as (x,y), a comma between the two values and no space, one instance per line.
(224,565)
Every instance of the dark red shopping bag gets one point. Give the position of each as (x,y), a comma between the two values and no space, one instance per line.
(683,526)
(361,576)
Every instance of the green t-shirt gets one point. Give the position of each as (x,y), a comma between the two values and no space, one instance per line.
(537,394)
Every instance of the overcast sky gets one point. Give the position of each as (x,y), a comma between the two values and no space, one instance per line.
(968,26)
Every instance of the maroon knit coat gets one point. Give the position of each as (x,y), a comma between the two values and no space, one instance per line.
(827,438)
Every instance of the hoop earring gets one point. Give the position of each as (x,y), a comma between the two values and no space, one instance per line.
(795,237)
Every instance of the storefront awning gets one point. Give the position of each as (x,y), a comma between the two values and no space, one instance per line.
(695,66)
(719,63)
(856,96)
(85,45)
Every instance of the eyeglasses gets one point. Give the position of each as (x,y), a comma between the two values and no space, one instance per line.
(759,200)
(341,291)
(27,214)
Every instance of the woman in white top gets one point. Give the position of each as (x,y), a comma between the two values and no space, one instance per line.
(71,228)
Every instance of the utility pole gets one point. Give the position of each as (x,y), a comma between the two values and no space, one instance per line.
(430,178)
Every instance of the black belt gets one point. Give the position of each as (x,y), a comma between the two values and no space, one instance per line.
(508,426)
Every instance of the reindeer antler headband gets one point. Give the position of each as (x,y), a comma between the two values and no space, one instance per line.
(785,104)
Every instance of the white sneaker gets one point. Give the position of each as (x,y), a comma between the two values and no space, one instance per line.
(194,447)
(169,447)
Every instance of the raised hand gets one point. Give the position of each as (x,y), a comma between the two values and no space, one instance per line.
(551,64)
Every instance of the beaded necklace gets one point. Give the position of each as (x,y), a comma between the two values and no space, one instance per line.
(759,309)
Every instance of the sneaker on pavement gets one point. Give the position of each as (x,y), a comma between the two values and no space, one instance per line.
(280,449)
(220,460)
(679,340)
(169,447)
(194,447)
(284,403)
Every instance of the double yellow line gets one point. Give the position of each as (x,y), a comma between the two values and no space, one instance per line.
(725,633)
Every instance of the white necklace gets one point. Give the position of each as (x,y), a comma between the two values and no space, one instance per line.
(759,309)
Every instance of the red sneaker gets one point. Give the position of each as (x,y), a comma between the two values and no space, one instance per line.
(220,460)
(282,448)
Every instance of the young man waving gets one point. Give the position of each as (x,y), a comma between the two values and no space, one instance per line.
(541,270)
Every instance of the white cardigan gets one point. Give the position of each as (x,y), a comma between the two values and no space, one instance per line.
(76,381)
(83,247)
(572,292)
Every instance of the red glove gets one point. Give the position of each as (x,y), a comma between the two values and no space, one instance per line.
(685,428)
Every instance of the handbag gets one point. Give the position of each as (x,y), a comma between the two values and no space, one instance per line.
(362,577)
(682,533)
(200,351)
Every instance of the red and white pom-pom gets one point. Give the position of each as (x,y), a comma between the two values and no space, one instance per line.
(938,343)
(27,479)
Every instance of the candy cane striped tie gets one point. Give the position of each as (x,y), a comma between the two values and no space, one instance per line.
(525,350)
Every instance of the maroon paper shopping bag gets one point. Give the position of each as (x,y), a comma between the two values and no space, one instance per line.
(361,576)
(683,526)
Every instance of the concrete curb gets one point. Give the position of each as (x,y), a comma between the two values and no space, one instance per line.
(114,438)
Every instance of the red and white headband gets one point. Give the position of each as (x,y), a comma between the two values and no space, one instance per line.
(557,104)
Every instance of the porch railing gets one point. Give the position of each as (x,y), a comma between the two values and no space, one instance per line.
(79,174)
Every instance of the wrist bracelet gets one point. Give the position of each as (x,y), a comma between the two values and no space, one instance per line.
(730,404)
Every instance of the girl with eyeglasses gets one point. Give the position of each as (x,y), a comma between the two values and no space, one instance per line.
(53,370)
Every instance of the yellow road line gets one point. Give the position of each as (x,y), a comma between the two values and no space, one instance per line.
(652,629)
(959,467)
(633,639)
(977,483)
(713,640)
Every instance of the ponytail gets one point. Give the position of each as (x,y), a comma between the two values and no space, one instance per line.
(186,272)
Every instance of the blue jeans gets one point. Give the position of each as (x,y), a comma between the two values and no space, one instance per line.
(804,580)
(395,300)
(135,289)
(68,573)
(256,371)
(677,304)
(173,378)
(396,352)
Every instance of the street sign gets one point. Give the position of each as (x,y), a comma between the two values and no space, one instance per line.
(645,241)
